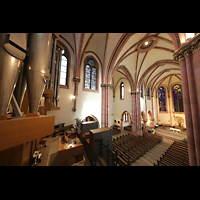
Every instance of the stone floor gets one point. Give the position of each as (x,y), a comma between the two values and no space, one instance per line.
(49,154)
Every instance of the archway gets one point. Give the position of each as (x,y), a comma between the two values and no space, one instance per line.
(125,119)
(90,118)
(121,57)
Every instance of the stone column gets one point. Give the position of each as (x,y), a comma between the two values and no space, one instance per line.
(188,114)
(196,67)
(76,81)
(152,117)
(133,96)
(136,114)
(194,106)
(188,55)
(138,108)
(105,111)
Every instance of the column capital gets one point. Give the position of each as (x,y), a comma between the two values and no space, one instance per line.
(188,48)
(106,85)
(76,80)
(135,92)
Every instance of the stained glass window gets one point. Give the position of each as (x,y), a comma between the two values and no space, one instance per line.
(148,92)
(91,75)
(87,76)
(63,71)
(141,94)
(122,90)
(94,78)
(162,100)
(177,98)
(91,62)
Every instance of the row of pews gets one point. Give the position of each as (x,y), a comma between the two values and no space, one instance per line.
(116,130)
(128,128)
(176,155)
(128,148)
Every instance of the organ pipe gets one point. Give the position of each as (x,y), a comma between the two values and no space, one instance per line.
(36,66)
(25,62)
(12,52)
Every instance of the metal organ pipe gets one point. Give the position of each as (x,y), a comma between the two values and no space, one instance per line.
(36,66)
(12,52)
(57,77)
(20,86)
(52,67)
(29,57)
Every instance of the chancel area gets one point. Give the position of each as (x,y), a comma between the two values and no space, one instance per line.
(99,99)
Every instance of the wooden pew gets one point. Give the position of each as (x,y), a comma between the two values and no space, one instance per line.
(129,148)
(125,157)
(132,147)
(176,155)
(125,151)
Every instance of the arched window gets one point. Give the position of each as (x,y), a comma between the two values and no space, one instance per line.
(122,91)
(63,61)
(90,75)
(177,98)
(162,99)
(148,94)
(141,89)
(63,71)
(126,117)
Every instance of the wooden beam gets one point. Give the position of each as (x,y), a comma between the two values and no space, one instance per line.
(48,92)
(21,130)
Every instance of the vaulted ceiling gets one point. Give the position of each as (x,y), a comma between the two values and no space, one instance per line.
(143,57)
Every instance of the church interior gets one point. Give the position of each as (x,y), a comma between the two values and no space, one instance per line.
(99,99)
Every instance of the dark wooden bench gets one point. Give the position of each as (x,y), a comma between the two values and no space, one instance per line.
(125,150)
(176,155)
(131,148)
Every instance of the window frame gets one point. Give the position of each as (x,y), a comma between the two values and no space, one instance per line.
(97,76)
(68,56)
(126,117)
(66,72)
(121,91)
(141,91)
(172,88)
(165,99)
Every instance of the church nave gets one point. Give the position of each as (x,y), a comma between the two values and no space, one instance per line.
(87,89)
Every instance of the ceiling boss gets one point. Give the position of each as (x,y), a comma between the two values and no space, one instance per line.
(147,44)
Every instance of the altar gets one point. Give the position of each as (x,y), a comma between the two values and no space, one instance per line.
(175,129)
